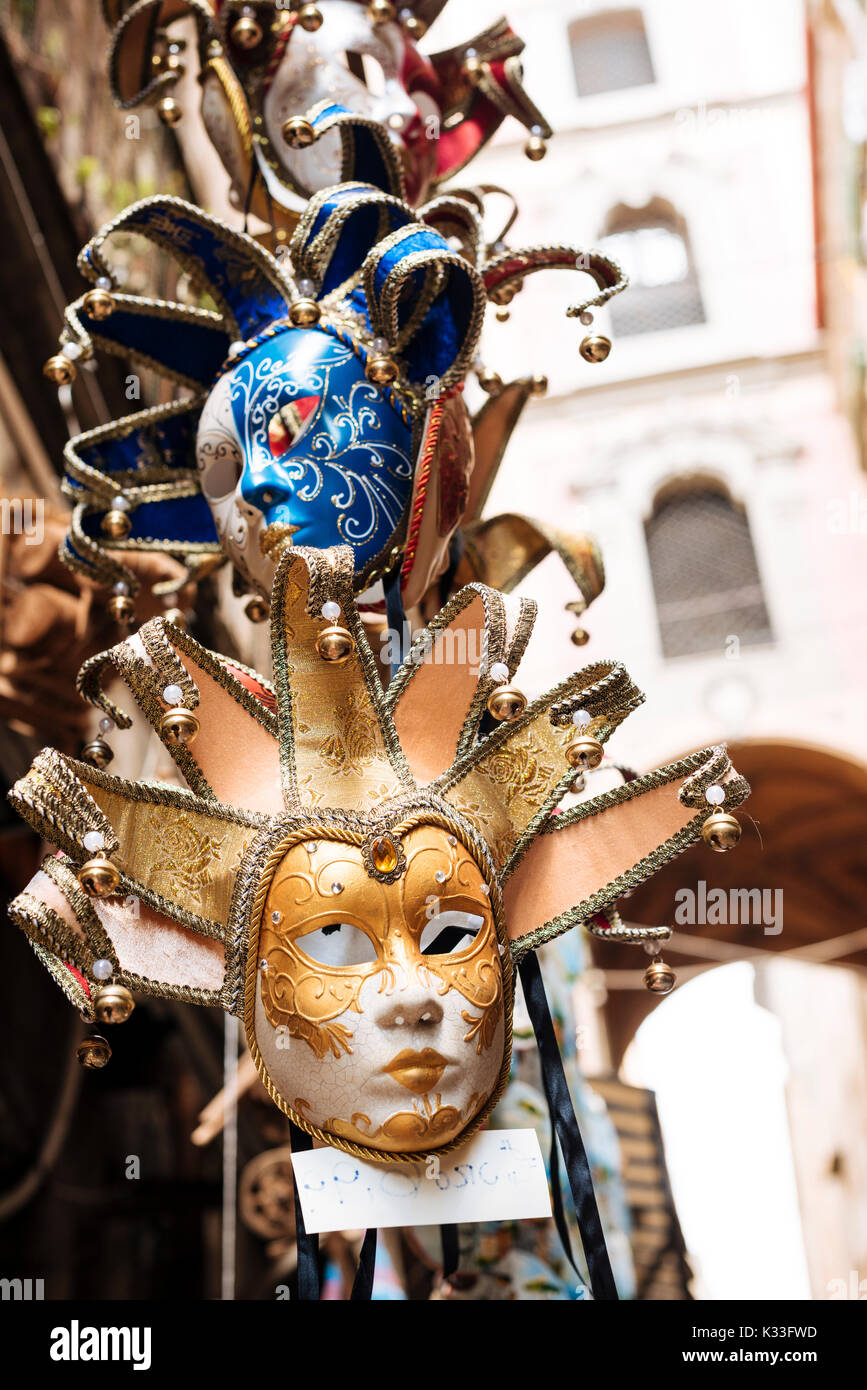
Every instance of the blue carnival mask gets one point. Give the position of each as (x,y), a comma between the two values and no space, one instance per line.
(295,443)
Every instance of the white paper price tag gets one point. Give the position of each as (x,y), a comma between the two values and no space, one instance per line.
(497,1176)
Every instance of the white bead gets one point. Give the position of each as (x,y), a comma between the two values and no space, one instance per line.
(499,672)
(103,283)
(94,840)
(120,588)
(120,503)
(331,611)
(336,888)
(485,888)
(586,318)
(105,724)
(72,350)
(235,349)
(380,347)
(581,718)
(102,969)
(715,795)
(452,840)
(653,948)
(173,695)
(306,289)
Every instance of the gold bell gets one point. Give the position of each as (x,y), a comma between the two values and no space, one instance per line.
(99,304)
(503,315)
(595,347)
(721,831)
(116,524)
(60,370)
(382,371)
(99,877)
(93,1053)
(298,133)
(415,27)
(507,702)
(383,853)
(380,11)
(113,1004)
(310,18)
(121,608)
(535,148)
(659,978)
(179,726)
(247,32)
(97,752)
(584,751)
(335,644)
(474,70)
(304,313)
(580,636)
(490,381)
(539,386)
(169,111)
(257,610)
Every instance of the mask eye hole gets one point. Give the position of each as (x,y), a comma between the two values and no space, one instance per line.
(338,944)
(447,933)
(289,423)
(367,69)
(220,466)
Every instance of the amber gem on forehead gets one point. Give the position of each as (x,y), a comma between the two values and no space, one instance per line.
(383,854)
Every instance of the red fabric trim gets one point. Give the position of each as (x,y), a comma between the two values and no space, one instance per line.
(263,695)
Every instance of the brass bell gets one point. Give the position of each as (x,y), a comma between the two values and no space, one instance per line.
(507,702)
(584,751)
(99,877)
(60,370)
(474,70)
(490,381)
(179,726)
(116,524)
(659,978)
(535,148)
(380,11)
(539,386)
(304,313)
(113,1004)
(595,347)
(382,371)
(721,831)
(93,1053)
(121,608)
(247,32)
(257,609)
(335,644)
(97,752)
(503,315)
(415,27)
(310,18)
(169,111)
(580,636)
(99,304)
(298,133)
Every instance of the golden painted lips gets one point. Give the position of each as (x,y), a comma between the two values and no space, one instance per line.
(379,1015)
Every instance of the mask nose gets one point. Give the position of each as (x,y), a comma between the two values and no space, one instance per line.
(416,1007)
(270,495)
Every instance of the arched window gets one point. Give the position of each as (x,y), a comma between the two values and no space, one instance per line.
(610,52)
(705,577)
(652,246)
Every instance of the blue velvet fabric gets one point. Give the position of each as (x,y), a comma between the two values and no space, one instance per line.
(438,341)
(178,521)
(194,350)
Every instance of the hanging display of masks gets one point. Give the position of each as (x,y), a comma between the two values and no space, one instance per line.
(323,407)
(266,70)
(354,878)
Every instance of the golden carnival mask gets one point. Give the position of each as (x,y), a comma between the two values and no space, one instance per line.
(353,871)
